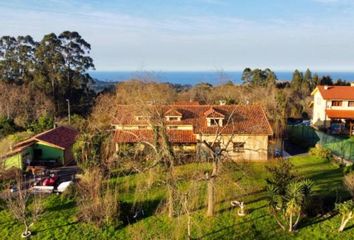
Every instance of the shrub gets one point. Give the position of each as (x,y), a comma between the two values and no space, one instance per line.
(280,175)
(320,152)
(97,201)
(348,169)
(43,123)
(349,183)
(7,126)
(7,177)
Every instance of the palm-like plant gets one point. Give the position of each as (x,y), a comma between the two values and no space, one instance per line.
(287,207)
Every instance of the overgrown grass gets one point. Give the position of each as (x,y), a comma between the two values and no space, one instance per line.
(141,191)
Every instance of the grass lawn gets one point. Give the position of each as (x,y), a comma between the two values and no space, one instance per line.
(59,221)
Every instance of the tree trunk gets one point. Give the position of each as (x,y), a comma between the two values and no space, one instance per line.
(277,220)
(291,223)
(211,195)
(189,226)
(211,189)
(297,220)
(170,201)
(26,228)
(345,221)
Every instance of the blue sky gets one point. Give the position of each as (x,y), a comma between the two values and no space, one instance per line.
(209,35)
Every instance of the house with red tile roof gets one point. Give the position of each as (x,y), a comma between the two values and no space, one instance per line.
(242,129)
(333,108)
(52,147)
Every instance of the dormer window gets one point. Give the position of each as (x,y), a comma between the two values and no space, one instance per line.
(173,118)
(142,118)
(214,118)
(173,115)
(214,122)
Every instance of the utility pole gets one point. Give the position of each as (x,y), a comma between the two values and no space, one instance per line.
(69,117)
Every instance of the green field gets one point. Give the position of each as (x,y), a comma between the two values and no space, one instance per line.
(59,220)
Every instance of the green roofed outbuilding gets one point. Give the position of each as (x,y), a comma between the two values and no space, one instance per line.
(49,148)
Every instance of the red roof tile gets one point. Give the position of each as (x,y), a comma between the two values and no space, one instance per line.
(238,119)
(337,92)
(186,103)
(17,149)
(173,112)
(340,114)
(61,136)
(211,112)
(134,136)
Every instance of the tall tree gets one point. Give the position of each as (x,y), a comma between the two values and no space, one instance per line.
(316,79)
(297,81)
(50,63)
(16,59)
(308,83)
(258,77)
(62,62)
(247,76)
(75,51)
(326,80)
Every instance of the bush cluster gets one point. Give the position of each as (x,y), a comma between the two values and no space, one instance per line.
(321,152)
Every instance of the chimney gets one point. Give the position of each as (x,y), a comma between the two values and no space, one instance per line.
(326,87)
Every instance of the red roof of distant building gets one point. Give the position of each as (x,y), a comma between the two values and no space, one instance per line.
(62,137)
(337,92)
(340,114)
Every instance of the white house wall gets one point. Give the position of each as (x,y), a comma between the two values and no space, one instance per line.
(319,109)
(256,146)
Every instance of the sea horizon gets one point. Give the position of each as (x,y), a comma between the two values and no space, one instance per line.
(195,77)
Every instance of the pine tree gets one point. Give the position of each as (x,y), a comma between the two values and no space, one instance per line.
(297,81)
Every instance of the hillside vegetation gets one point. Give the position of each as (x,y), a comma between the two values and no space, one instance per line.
(60,222)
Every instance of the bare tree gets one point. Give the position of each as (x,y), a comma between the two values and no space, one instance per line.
(23,104)
(218,151)
(22,208)
(97,200)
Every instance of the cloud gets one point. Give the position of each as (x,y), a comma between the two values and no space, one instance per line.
(126,41)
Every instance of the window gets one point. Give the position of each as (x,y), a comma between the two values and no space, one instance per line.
(142,127)
(172,127)
(214,122)
(142,118)
(351,104)
(173,118)
(239,147)
(337,103)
